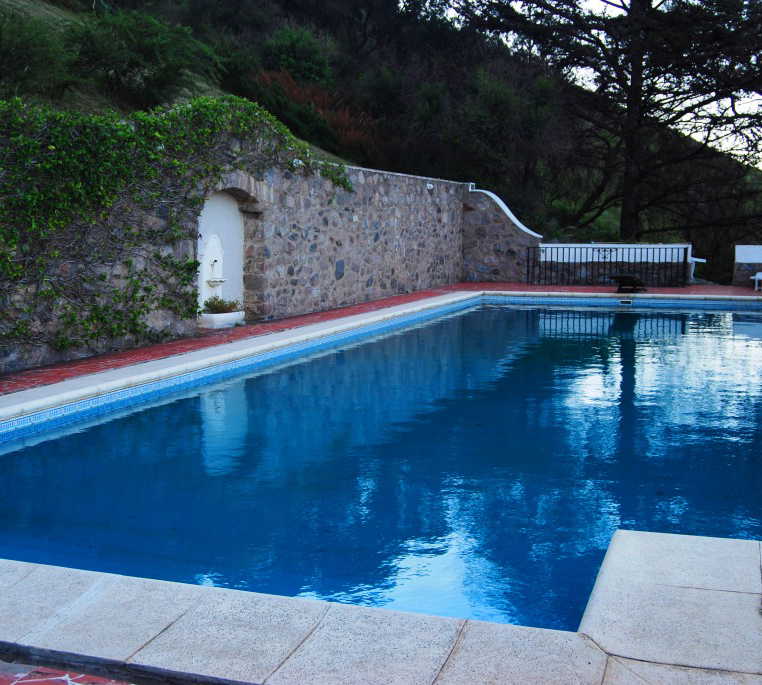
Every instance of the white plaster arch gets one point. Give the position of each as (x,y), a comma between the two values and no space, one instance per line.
(220,249)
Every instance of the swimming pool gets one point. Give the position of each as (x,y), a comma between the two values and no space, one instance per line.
(472,466)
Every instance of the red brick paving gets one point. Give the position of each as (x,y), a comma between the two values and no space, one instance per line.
(58,372)
(15,674)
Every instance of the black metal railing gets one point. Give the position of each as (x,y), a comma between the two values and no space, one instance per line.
(578,324)
(595,265)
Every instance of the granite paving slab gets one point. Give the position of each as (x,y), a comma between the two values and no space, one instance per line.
(665,609)
(43,596)
(679,599)
(125,615)
(232,635)
(371,646)
(676,625)
(489,653)
(684,560)
(629,672)
(12,572)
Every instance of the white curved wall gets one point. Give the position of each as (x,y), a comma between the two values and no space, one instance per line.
(221,217)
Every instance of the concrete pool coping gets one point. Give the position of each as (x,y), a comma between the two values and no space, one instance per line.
(665,608)
(77,366)
(36,399)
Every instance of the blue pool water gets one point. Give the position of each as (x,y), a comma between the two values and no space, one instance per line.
(475,466)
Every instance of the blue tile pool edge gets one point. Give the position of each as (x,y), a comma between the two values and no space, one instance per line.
(105,403)
(72,412)
(627,302)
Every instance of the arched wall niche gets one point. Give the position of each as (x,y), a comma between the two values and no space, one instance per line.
(230,224)
(220,249)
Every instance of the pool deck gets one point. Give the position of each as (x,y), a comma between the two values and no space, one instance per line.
(664,609)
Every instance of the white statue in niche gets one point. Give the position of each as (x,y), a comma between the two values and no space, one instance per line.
(220,256)
(212,268)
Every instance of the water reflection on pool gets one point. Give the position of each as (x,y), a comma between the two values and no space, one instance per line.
(475,466)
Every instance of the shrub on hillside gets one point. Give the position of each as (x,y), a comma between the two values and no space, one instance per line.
(354,131)
(33,57)
(241,18)
(242,76)
(298,52)
(302,118)
(74,5)
(139,60)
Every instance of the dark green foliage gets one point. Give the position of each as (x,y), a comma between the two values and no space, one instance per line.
(399,85)
(33,57)
(299,52)
(509,123)
(140,61)
(73,5)
(382,91)
(660,70)
(240,67)
(303,119)
(229,18)
(83,258)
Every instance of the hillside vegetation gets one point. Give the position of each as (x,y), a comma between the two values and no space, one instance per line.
(382,84)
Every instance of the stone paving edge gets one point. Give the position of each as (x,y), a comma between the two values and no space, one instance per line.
(336,642)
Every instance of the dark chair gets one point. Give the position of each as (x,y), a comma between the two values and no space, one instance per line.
(627,283)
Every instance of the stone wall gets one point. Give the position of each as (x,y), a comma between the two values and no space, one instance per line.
(310,246)
(164,323)
(314,246)
(494,242)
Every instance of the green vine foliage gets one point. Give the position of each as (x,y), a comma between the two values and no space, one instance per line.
(98,213)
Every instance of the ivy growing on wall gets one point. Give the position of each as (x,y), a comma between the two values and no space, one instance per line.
(98,213)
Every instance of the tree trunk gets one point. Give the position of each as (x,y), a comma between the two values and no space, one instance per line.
(629,223)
